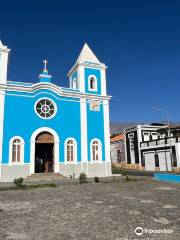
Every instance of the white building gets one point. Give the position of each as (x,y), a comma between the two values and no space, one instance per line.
(153,147)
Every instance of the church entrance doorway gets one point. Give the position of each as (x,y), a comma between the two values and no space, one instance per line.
(44,153)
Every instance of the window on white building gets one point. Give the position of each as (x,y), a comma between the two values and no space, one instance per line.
(154,135)
(146,136)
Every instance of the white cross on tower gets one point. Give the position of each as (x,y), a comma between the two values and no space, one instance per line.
(45,64)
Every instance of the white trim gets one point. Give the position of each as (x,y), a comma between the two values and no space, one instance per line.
(103,82)
(55,108)
(3,65)
(75,150)
(74,83)
(56,148)
(144,153)
(84,144)
(106,131)
(2,98)
(89,83)
(81,79)
(22,144)
(55,89)
(131,135)
(99,150)
(88,65)
(139,139)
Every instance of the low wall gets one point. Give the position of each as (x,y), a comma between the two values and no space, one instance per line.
(138,167)
(167,177)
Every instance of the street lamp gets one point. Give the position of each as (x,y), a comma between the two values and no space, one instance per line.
(169,134)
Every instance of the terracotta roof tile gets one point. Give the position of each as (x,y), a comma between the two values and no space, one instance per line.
(117,138)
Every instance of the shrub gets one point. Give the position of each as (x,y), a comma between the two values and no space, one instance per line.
(127,178)
(82,178)
(96,179)
(18,181)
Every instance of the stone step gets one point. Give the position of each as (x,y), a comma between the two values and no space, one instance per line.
(45,174)
(44,177)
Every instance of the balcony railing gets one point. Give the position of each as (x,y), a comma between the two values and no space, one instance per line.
(161,141)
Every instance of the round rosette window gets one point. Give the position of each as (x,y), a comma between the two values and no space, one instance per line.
(45,108)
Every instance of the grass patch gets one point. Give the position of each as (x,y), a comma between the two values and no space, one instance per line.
(26,187)
(118,171)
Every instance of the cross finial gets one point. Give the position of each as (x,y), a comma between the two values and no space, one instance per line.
(45,64)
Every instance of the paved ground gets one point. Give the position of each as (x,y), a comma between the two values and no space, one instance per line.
(92,211)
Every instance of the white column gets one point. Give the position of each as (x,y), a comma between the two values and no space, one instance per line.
(81,78)
(2,96)
(125,146)
(32,156)
(103,82)
(106,130)
(139,139)
(3,63)
(84,143)
(177,147)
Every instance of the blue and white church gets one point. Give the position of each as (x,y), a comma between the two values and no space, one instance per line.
(46,128)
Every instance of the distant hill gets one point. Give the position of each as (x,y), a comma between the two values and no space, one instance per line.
(119,127)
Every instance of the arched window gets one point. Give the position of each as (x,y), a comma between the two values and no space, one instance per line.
(16,150)
(71,151)
(74,85)
(96,154)
(92,83)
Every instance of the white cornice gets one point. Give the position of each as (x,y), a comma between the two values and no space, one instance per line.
(88,65)
(52,87)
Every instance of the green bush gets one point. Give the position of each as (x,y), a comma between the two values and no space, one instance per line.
(96,179)
(127,177)
(82,178)
(18,181)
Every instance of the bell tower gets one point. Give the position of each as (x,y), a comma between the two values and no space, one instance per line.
(88,75)
(4,52)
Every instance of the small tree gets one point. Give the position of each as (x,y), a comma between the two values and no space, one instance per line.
(18,181)
(82,178)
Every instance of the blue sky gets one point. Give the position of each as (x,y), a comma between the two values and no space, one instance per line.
(138,40)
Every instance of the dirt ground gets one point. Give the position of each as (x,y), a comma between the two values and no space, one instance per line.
(107,210)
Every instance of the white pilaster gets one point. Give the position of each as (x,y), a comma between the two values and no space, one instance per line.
(106,130)
(84,145)
(2,96)
(81,78)
(103,82)
(139,139)
(3,63)
(125,146)
(177,147)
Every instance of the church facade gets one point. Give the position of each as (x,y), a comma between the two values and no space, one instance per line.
(46,128)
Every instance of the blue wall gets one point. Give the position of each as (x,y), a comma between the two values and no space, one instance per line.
(167,177)
(20,119)
(95,128)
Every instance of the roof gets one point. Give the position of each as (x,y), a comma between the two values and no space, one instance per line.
(118,137)
(87,55)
